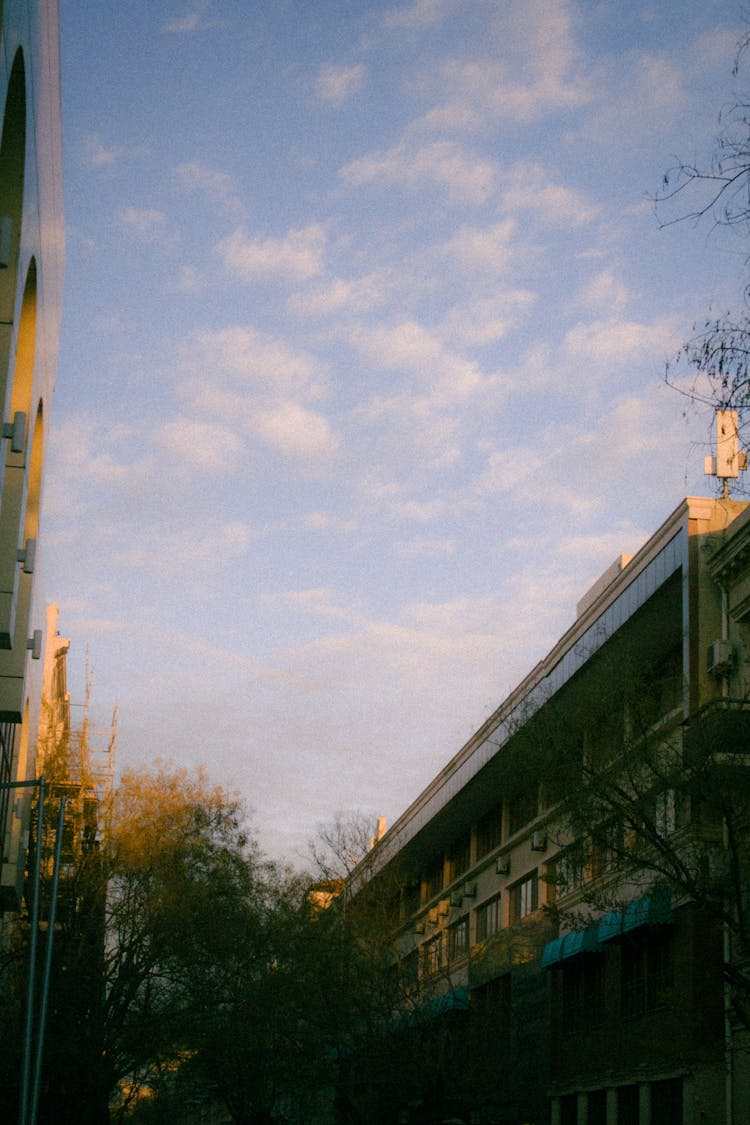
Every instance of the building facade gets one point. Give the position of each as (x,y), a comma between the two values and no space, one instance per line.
(570,888)
(31,269)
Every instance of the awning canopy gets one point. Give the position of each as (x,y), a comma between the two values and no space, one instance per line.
(577,941)
(655,909)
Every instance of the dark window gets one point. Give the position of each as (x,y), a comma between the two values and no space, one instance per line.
(489,918)
(583,992)
(432,955)
(458,939)
(434,879)
(666,1102)
(409,969)
(569,1110)
(489,831)
(493,999)
(524,897)
(459,857)
(522,809)
(647,971)
(597,1108)
(628,1105)
(412,898)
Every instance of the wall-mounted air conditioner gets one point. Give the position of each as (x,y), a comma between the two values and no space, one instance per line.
(538,842)
(502,865)
(470,890)
(720,658)
(456,898)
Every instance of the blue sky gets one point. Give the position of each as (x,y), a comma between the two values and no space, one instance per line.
(361,370)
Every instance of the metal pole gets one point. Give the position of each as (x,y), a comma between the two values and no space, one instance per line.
(47,966)
(26,1073)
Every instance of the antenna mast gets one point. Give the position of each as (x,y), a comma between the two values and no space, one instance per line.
(729,460)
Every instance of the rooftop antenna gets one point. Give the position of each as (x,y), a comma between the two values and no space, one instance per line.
(729,460)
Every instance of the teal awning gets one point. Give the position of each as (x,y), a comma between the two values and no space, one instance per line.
(455,1000)
(655,909)
(577,941)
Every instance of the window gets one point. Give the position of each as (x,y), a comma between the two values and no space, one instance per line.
(647,971)
(434,880)
(459,857)
(458,939)
(629,1105)
(524,897)
(569,1110)
(409,969)
(489,918)
(432,955)
(411,898)
(489,831)
(522,809)
(666,1102)
(583,993)
(607,845)
(569,870)
(597,1108)
(491,1003)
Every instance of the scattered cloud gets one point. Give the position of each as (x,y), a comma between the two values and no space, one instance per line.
(336,84)
(421,13)
(527,186)
(464,177)
(98,155)
(296,431)
(297,257)
(202,445)
(147,223)
(217,184)
(197,17)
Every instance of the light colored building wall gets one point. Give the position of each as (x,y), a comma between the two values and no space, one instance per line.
(31,273)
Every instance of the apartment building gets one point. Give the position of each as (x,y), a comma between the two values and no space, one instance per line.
(568,887)
(31,269)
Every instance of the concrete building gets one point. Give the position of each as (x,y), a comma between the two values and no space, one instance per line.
(567,894)
(31,269)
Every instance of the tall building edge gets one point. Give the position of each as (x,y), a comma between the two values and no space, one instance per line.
(31,278)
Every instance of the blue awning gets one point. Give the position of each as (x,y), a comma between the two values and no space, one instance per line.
(455,1000)
(577,941)
(653,910)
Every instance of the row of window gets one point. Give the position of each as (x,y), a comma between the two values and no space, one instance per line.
(646,980)
(661,1102)
(519,900)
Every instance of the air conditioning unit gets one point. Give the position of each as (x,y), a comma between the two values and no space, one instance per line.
(470,890)
(456,898)
(432,916)
(419,927)
(444,908)
(720,658)
(502,865)
(538,842)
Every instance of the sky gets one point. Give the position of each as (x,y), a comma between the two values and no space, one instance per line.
(361,376)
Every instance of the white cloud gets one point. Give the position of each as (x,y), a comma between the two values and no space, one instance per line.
(489,249)
(613,342)
(528,187)
(426,548)
(604,293)
(97,154)
(466,178)
(195,18)
(147,223)
(297,257)
(264,361)
(217,184)
(421,13)
(356,295)
(317,602)
(203,445)
(410,347)
(179,550)
(336,84)
(294,430)
(485,320)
